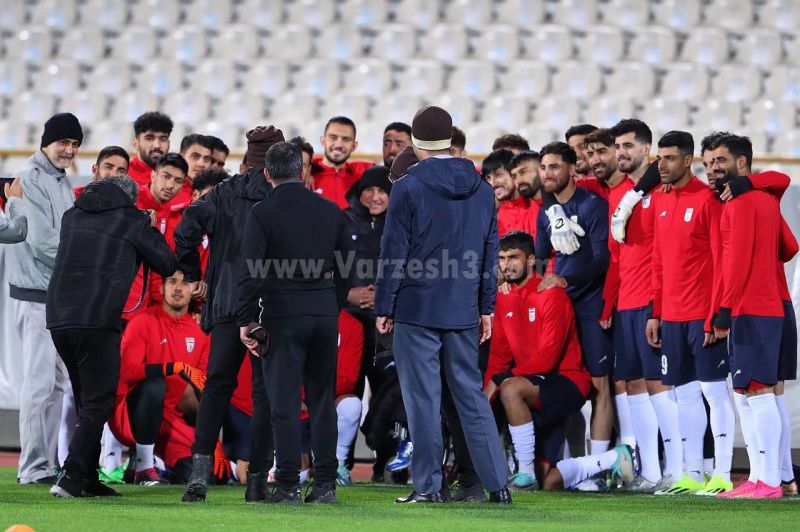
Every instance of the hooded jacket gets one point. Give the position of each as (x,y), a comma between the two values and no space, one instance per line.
(439,247)
(221,215)
(104,239)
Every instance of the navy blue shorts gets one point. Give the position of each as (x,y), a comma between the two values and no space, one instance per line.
(236,434)
(596,346)
(787,365)
(755,344)
(683,357)
(559,398)
(634,358)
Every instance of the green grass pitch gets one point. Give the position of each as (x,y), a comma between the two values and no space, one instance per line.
(366,507)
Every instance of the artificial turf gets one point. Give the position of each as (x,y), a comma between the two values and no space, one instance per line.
(367,507)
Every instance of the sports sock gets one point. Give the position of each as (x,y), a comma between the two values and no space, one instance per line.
(666,406)
(644,422)
(748,435)
(627,434)
(144,456)
(348,413)
(575,470)
(524,439)
(787,472)
(598,446)
(693,421)
(66,428)
(767,422)
(304,476)
(112,450)
(723,425)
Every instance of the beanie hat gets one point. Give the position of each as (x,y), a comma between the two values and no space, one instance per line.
(404,160)
(62,126)
(432,129)
(375,176)
(259,140)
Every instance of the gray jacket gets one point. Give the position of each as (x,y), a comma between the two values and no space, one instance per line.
(13,224)
(46,196)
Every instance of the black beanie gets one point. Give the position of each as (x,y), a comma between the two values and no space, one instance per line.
(375,176)
(62,126)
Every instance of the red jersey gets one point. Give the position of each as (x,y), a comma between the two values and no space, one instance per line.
(513,215)
(594,185)
(141,172)
(687,252)
(333,184)
(535,332)
(351,346)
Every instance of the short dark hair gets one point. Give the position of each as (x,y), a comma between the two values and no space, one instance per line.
(173,159)
(398,126)
(640,130)
(218,145)
(341,120)
(711,142)
(153,121)
(111,151)
(511,141)
(523,157)
(678,139)
(580,129)
(517,240)
(560,148)
(599,136)
(459,139)
(738,145)
(195,138)
(209,178)
(284,160)
(304,145)
(498,159)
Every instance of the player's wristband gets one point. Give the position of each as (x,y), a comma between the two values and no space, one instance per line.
(739,185)
(650,310)
(723,318)
(548,200)
(498,378)
(153,370)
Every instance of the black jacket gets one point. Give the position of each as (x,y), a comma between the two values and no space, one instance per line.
(221,215)
(289,265)
(104,239)
(365,234)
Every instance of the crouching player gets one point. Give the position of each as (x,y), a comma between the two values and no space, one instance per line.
(535,368)
(164,355)
(348,405)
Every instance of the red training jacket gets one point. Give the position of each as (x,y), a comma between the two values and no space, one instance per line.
(333,184)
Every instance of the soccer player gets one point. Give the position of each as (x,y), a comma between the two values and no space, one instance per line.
(511,141)
(219,153)
(458,146)
(582,274)
(686,260)
(514,210)
(525,172)
(333,172)
(396,136)
(112,160)
(575,137)
(348,405)
(150,141)
(197,150)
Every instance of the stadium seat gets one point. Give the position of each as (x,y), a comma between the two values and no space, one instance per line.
(340,42)
(288,41)
(556,113)
(626,14)
(215,14)
(84,45)
(462,108)
(130,105)
(686,81)
(420,78)
(467,13)
(602,45)
(59,79)
(55,14)
(608,111)
(13,78)
(260,14)
(364,13)
(717,114)
(420,13)
(783,83)
(160,78)
(12,16)
(396,107)
(771,116)
(575,13)
(473,78)
(32,108)
(186,44)
(526,78)
(241,108)
(577,80)
(507,111)
(521,13)
(679,14)
(787,144)
(783,15)
(446,43)
(108,133)
(318,78)
(538,137)
(628,79)
(32,44)
(368,77)
(89,106)
(231,134)
(14,136)
(481,137)
(239,42)
(708,47)
(214,77)
(104,14)
(314,13)
(729,14)
(266,77)
(666,114)
(296,108)
(761,48)
(737,83)
(792,45)
(355,106)
(394,42)
(370,137)
(760,142)
(110,77)
(549,43)
(653,45)
(499,44)
(136,45)
(157,14)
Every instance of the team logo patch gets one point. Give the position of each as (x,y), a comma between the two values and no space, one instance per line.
(205,241)
(532,314)
(163,226)
(687,216)
(646,202)
(189,344)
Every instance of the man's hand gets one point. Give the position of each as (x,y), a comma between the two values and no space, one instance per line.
(200,290)
(652,332)
(13,189)
(250,343)
(485,328)
(384,325)
(564,232)
(719,334)
(490,389)
(619,220)
(152,215)
(308,182)
(726,193)
(606,324)
(551,280)
(362,296)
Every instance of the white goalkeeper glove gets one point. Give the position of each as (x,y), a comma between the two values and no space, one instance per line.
(619,220)
(564,232)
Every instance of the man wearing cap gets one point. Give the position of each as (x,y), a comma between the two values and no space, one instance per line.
(221,214)
(436,290)
(46,194)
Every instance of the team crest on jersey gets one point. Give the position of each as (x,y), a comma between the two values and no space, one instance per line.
(189,344)
(205,241)
(532,314)
(687,216)
(163,227)
(646,202)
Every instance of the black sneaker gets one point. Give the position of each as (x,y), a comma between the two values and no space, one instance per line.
(256,487)
(322,493)
(285,496)
(95,488)
(197,487)
(45,481)
(67,487)
(502,496)
(415,497)
(472,493)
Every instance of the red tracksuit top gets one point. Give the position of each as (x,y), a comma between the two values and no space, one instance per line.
(333,184)
(513,215)
(687,252)
(628,280)
(594,185)
(140,172)
(535,331)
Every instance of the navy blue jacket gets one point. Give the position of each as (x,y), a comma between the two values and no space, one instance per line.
(439,247)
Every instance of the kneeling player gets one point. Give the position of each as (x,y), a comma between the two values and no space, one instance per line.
(348,405)
(164,354)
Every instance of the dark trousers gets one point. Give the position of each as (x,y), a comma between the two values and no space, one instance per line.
(145,404)
(92,360)
(302,352)
(262,444)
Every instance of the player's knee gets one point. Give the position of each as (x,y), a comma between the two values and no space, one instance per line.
(512,390)
(349,409)
(152,389)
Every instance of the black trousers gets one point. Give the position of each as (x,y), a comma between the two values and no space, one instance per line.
(145,404)
(302,352)
(92,360)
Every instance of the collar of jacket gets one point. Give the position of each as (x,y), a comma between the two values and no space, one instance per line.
(40,161)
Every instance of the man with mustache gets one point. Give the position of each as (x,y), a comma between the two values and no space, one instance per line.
(151,141)
(333,173)
(513,212)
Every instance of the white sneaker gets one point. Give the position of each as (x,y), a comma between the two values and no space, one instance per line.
(593,484)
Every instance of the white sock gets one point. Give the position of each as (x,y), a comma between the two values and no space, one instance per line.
(303,476)
(575,470)
(748,435)
(693,421)
(598,446)
(144,456)
(787,473)
(524,439)
(666,406)
(348,414)
(69,418)
(723,425)
(627,434)
(644,422)
(767,422)
(112,450)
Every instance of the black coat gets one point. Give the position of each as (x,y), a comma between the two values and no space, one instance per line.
(365,233)
(104,238)
(221,215)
